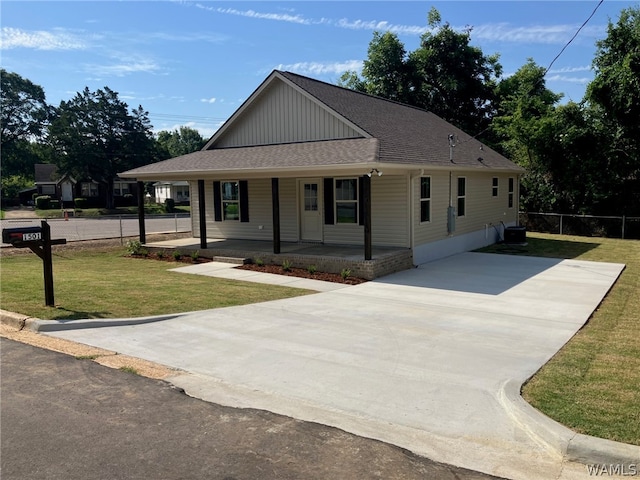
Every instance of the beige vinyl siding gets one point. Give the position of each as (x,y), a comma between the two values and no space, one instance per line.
(482,208)
(259,212)
(282,115)
(389,216)
(436,229)
(389,211)
(288,209)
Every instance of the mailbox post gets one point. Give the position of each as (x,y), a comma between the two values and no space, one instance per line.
(38,239)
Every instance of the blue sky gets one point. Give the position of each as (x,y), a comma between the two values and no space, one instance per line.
(194,62)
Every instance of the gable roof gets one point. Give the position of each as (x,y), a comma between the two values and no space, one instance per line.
(45,173)
(391,133)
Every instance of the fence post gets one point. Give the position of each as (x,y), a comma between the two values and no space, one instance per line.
(623,221)
(560,224)
(120,220)
(175,216)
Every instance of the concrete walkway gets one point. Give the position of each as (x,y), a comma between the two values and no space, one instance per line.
(430,359)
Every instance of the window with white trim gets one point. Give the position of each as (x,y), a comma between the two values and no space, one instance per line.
(462,196)
(89,189)
(346,200)
(494,187)
(230,200)
(511,191)
(425,199)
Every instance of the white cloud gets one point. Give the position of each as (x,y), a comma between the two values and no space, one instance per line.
(208,100)
(383,26)
(206,130)
(585,68)
(125,66)
(541,34)
(564,78)
(57,39)
(281,17)
(319,68)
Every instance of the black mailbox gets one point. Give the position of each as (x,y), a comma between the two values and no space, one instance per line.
(21,235)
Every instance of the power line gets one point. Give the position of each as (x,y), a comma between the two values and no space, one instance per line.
(574,36)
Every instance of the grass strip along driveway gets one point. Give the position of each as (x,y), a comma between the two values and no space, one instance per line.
(592,385)
(107,284)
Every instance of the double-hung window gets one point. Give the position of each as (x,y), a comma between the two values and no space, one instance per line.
(89,189)
(230,200)
(462,196)
(347,200)
(425,199)
(494,187)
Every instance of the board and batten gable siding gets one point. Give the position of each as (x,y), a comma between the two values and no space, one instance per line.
(389,216)
(283,115)
(260,213)
(482,208)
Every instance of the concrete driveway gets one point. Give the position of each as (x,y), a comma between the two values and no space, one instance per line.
(430,359)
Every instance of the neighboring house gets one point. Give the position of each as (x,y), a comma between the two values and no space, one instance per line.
(65,188)
(178,191)
(305,161)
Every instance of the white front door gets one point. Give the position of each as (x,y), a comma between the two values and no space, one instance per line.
(67,191)
(310,211)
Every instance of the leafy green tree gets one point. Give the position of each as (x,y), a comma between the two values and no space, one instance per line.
(452,78)
(445,74)
(23,116)
(386,70)
(614,94)
(95,136)
(523,128)
(179,142)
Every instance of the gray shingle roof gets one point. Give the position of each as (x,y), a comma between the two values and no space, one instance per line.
(267,157)
(407,134)
(45,173)
(402,135)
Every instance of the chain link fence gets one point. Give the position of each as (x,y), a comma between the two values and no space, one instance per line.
(582,225)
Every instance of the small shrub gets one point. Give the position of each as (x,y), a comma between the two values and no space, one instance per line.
(81,202)
(176,255)
(345,273)
(195,255)
(43,202)
(161,254)
(169,205)
(312,269)
(134,247)
(129,369)
(286,265)
(259,262)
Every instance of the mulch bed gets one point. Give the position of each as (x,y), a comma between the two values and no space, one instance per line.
(302,273)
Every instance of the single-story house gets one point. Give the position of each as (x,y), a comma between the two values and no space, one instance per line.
(66,189)
(305,161)
(178,191)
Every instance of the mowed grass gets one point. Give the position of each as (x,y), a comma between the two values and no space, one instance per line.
(107,284)
(592,385)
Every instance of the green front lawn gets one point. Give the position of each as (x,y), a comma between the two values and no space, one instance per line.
(107,284)
(592,385)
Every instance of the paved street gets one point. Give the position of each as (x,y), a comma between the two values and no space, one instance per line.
(92,228)
(69,419)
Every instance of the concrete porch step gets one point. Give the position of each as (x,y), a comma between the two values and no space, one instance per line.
(234,260)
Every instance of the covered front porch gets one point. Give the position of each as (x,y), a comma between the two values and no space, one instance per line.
(326,258)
